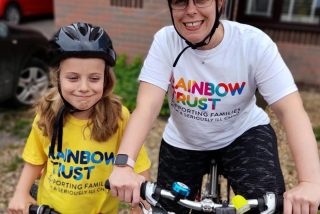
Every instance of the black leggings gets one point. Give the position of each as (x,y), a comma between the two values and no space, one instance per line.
(250,163)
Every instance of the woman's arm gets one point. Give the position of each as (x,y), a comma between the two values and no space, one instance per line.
(124,183)
(306,196)
(22,199)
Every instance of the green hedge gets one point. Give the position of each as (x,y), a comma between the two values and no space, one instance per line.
(127,82)
(317,133)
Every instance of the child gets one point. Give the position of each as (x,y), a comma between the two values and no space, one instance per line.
(85,119)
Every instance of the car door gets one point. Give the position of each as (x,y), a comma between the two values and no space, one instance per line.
(36,7)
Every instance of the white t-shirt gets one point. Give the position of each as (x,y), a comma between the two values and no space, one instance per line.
(211,93)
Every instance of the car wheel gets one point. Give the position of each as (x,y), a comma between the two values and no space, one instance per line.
(33,82)
(12,14)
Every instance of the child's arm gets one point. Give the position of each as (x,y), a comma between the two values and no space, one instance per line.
(21,198)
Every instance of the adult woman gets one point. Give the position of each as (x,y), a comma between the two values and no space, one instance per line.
(211,70)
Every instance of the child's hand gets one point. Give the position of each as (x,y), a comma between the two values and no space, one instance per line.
(20,203)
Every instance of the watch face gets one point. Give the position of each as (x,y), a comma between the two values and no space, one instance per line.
(121,160)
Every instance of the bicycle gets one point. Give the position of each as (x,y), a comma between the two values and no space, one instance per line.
(211,200)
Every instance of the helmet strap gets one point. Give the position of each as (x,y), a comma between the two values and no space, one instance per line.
(57,132)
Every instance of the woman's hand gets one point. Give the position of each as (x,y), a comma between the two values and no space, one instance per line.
(125,184)
(304,198)
(20,203)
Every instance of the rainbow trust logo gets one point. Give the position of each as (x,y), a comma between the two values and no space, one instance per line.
(204,95)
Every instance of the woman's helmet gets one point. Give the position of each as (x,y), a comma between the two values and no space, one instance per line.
(82,40)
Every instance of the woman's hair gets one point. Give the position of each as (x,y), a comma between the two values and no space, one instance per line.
(105,114)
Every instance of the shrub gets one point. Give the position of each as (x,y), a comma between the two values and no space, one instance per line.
(127,82)
(316,131)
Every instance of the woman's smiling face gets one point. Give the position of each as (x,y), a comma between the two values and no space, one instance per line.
(194,23)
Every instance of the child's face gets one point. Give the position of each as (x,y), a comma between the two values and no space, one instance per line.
(82,81)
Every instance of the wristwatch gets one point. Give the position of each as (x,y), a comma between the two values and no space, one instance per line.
(124,160)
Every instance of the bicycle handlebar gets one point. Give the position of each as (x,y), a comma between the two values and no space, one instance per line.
(41,209)
(152,193)
(268,204)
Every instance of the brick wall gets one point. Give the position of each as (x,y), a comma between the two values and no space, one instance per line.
(131,29)
(303,61)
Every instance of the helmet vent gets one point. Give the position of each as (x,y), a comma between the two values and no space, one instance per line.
(71,33)
(83,29)
(94,35)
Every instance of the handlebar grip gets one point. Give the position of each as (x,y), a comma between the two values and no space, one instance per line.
(107,184)
(143,190)
(42,209)
(33,208)
(279,203)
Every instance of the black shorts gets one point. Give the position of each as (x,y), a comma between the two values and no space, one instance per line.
(250,163)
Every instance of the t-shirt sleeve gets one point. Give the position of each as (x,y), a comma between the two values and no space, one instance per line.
(273,77)
(34,150)
(143,162)
(156,67)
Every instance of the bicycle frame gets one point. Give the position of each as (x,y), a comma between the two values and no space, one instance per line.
(211,187)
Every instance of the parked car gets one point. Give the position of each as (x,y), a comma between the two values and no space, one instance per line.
(23,68)
(14,10)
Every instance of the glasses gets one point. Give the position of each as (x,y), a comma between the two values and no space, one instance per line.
(182,4)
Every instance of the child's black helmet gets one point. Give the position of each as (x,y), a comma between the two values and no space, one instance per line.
(82,40)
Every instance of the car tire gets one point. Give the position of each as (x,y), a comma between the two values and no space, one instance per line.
(12,14)
(32,83)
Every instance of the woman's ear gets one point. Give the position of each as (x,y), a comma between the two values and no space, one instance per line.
(221,4)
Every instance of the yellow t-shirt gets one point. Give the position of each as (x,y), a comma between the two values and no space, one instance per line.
(73,182)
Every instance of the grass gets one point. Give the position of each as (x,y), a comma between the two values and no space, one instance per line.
(14,164)
(16,122)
